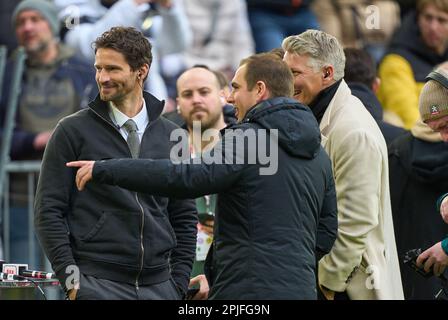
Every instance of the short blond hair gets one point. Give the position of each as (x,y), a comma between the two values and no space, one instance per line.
(322,48)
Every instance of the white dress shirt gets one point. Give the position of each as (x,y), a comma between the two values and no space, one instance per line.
(119,118)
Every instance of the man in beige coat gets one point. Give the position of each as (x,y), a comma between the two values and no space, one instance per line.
(363,262)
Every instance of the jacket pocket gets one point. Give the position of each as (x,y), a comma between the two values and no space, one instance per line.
(96,228)
(114,237)
(160,238)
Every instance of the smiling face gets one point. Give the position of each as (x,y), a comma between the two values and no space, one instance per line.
(241,97)
(115,79)
(33,31)
(307,82)
(199,98)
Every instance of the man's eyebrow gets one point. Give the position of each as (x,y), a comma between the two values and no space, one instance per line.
(107,66)
(185,91)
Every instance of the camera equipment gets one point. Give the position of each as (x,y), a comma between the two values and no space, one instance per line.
(191,293)
(410,259)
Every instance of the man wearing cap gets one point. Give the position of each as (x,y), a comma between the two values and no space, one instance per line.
(418,165)
(433,107)
(54,84)
(433,104)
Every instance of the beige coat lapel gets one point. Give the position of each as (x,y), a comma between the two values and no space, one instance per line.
(333,108)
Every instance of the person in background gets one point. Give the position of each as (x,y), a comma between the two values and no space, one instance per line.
(418,45)
(221,36)
(201,95)
(200,106)
(273,20)
(366,25)
(55,84)
(227,109)
(418,174)
(361,78)
(433,109)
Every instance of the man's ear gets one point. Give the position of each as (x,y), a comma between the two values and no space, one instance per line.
(261,88)
(262,91)
(222,97)
(143,71)
(177,105)
(376,85)
(328,74)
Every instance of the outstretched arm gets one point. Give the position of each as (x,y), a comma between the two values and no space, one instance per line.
(215,172)
(158,177)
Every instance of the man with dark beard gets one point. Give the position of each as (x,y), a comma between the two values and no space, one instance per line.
(200,106)
(200,101)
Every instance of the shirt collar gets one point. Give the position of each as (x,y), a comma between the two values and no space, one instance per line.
(119,118)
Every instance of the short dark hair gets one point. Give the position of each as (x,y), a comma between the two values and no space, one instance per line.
(272,70)
(359,67)
(130,42)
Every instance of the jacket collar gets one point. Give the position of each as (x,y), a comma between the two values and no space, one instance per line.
(154,107)
(340,96)
(267,106)
(423,132)
(320,103)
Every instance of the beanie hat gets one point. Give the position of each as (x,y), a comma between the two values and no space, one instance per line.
(45,8)
(433,102)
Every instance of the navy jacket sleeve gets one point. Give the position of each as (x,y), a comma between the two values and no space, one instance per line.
(328,220)
(183,218)
(214,174)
